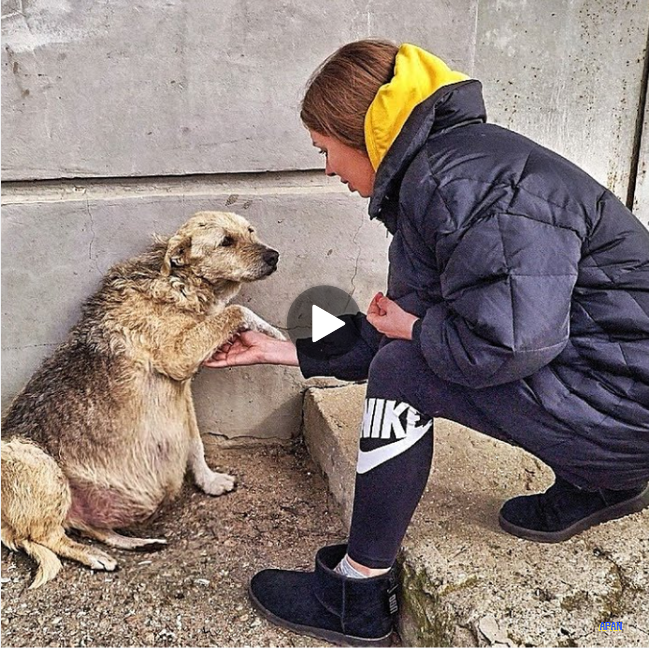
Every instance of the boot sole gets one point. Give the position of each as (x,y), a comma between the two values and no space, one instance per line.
(331,636)
(633,505)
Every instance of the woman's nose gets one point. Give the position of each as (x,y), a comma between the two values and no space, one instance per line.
(328,170)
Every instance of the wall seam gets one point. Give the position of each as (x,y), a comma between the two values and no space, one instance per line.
(170,177)
(639,127)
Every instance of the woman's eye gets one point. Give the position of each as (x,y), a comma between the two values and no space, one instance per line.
(228,241)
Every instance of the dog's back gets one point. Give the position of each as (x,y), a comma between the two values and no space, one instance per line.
(66,396)
(70,404)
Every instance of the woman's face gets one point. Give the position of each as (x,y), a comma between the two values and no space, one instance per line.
(352,166)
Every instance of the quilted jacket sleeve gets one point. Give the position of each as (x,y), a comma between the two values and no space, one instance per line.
(505,313)
(345,354)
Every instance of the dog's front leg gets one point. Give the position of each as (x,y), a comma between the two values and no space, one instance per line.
(207,480)
(253,322)
(181,356)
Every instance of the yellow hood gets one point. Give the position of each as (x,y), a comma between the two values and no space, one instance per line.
(417,75)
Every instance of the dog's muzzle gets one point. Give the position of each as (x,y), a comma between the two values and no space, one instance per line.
(271,259)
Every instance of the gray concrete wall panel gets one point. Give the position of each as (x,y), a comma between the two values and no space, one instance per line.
(55,251)
(183,87)
(568,74)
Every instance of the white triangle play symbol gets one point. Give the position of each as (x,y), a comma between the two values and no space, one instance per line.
(323,323)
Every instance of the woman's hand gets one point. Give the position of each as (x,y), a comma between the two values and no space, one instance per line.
(251,348)
(389,318)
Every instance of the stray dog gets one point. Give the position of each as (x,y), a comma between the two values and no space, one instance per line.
(103,432)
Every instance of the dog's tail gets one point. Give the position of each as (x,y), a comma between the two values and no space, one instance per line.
(47,561)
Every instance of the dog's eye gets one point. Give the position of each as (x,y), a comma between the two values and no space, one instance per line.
(227,241)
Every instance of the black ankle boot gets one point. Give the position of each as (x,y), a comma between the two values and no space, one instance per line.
(326,605)
(565,510)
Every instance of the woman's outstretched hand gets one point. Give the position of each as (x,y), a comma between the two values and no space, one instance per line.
(251,348)
(389,318)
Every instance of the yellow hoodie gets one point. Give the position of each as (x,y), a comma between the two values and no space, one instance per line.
(417,75)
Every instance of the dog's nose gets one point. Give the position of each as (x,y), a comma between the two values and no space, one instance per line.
(271,257)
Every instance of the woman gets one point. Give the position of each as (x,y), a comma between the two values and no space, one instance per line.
(517,304)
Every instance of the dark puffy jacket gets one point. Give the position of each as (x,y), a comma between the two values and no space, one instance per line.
(521,266)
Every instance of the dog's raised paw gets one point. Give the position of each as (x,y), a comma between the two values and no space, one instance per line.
(218,483)
(269,329)
(277,334)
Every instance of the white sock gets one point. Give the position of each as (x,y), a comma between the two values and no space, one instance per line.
(344,568)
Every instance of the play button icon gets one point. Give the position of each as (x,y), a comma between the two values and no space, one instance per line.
(325,314)
(323,323)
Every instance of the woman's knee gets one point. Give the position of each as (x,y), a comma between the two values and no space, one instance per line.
(399,372)
(397,358)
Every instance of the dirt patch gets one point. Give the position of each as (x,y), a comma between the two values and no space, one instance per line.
(192,593)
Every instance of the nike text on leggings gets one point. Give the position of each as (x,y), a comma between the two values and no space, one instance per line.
(395,453)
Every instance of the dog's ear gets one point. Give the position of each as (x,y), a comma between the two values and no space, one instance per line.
(177,253)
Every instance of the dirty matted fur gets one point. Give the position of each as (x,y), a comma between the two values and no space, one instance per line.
(103,432)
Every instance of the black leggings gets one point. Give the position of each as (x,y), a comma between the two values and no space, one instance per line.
(396,444)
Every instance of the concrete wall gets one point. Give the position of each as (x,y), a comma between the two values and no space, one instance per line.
(567,73)
(185,86)
(129,99)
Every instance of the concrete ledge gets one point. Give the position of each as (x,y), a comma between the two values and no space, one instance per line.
(466,582)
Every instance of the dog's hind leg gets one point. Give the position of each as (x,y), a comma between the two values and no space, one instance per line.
(207,480)
(45,551)
(89,556)
(119,541)
(35,501)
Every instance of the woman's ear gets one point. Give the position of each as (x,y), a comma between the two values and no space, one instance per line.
(177,253)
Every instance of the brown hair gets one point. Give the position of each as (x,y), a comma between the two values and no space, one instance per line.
(342,88)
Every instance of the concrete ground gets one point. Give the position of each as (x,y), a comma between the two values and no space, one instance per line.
(193,592)
(466,582)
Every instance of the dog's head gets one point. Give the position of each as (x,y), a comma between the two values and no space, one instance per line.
(217,246)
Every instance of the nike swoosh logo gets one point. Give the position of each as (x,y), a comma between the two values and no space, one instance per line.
(370,459)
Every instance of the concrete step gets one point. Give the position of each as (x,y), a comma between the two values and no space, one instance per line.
(466,582)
